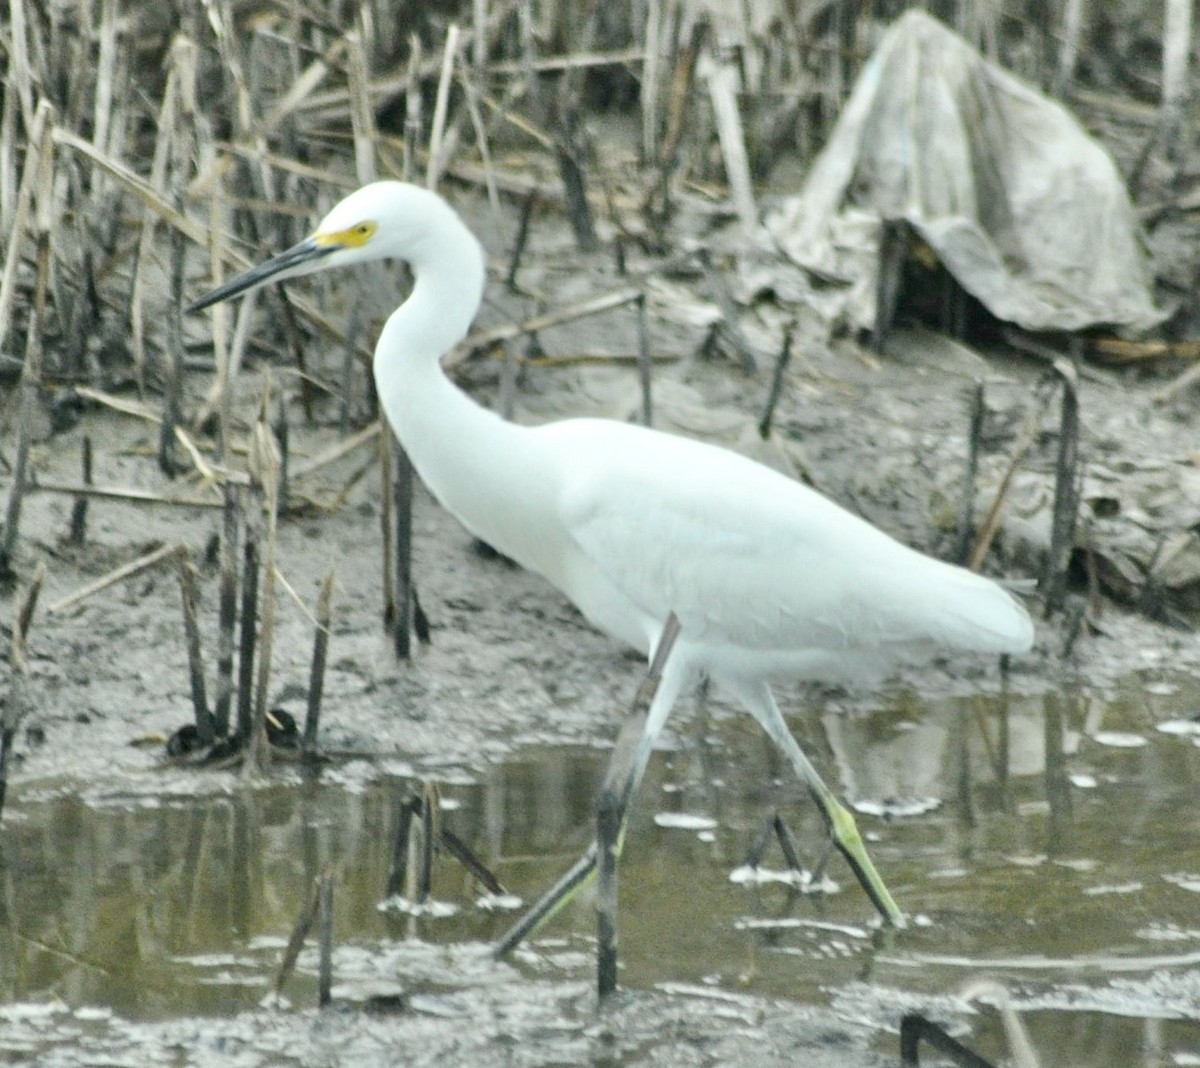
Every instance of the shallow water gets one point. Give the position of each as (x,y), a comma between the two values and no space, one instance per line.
(1052,849)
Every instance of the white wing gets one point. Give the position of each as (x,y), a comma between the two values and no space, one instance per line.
(751,559)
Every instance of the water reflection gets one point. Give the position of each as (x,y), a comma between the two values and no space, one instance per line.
(1081,898)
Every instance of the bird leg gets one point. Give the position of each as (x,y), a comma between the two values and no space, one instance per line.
(843,831)
(635,742)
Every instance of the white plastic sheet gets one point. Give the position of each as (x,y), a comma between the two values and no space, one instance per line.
(1020,204)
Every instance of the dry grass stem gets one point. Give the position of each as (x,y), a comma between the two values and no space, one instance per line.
(438,151)
(722,77)
(265,464)
(507,331)
(123,493)
(39,147)
(120,574)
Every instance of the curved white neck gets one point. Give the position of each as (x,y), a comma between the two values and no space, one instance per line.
(482,469)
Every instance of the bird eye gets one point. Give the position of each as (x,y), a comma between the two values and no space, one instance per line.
(358,235)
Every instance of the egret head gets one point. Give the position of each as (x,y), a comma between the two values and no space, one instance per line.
(383,220)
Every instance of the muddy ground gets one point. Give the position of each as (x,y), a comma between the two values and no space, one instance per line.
(510,661)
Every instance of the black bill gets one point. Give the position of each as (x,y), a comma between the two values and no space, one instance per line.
(299,259)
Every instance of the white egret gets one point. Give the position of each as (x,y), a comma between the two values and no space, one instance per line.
(767,577)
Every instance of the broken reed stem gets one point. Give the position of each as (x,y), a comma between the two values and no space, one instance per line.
(656,205)
(362,115)
(316,675)
(418,834)
(387,518)
(514,261)
(77,533)
(325,943)
(458,848)
(1066,492)
(645,367)
(402,599)
(26,413)
(437,140)
(191,630)
(264,463)
(1177,38)
(398,872)
(508,382)
(35,171)
(648,94)
(412,109)
(915,1028)
(227,607)
(173,388)
(991,522)
(248,614)
(422,846)
(13,710)
(966,507)
(304,922)
(1069,53)
(282,439)
(776,390)
(570,149)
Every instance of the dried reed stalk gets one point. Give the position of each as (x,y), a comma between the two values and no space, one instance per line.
(119,574)
(13,710)
(40,164)
(482,339)
(722,77)
(264,463)
(36,159)
(438,151)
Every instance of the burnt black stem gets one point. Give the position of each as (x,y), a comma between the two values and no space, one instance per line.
(77,534)
(227,608)
(787,843)
(644,362)
(398,873)
(249,617)
(402,495)
(776,391)
(304,922)
(316,675)
(570,150)
(915,1028)
(325,954)
(895,242)
(608,845)
(464,855)
(281,438)
(514,260)
(428,813)
(966,507)
(191,630)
